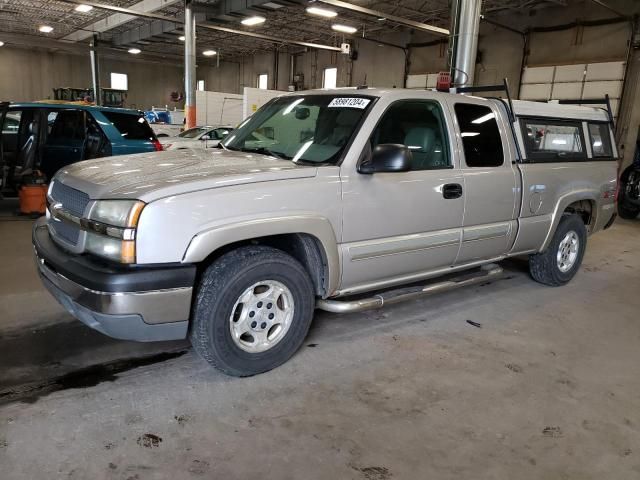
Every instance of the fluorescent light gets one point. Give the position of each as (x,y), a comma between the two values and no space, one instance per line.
(45,29)
(484,118)
(135,51)
(323,12)
(250,21)
(469,134)
(343,28)
(559,141)
(209,53)
(83,8)
(181,38)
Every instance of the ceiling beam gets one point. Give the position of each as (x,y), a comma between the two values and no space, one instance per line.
(117,19)
(392,18)
(210,26)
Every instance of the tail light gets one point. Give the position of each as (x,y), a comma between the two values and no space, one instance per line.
(157,145)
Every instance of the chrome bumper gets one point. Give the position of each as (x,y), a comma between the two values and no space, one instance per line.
(123,315)
(146,315)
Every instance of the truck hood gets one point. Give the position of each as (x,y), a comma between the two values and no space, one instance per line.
(149,176)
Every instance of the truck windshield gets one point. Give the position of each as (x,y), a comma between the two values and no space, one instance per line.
(311,129)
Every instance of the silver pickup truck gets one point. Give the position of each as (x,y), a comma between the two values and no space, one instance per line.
(337,199)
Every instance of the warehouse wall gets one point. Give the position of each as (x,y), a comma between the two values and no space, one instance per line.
(27,74)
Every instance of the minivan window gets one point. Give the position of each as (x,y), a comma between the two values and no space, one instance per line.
(480,135)
(130,126)
(550,140)
(600,140)
(419,125)
(66,125)
(11,122)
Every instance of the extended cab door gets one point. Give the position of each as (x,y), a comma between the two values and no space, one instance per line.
(490,179)
(399,226)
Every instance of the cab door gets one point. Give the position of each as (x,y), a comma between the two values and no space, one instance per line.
(490,179)
(398,226)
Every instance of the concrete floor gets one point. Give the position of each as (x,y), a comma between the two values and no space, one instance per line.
(547,388)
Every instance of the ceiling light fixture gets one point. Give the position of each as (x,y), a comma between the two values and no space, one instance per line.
(83,8)
(45,29)
(1,43)
(322,12)
(209,53)
(181,38)
(343,28)
(250,21)
(135,51)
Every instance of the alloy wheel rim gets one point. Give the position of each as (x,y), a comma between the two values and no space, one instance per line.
(262,316)
(568,251)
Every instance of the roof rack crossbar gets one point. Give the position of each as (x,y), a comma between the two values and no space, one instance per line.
(593,101)
(504,87)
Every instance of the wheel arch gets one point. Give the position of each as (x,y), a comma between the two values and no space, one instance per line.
(581,202)
(310,240)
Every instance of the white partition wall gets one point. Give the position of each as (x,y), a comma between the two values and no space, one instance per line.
(217,108)
(254,98)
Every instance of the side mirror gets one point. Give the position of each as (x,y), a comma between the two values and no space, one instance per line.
(302,113)
(388,157)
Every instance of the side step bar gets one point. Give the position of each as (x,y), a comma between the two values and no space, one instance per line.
(486,273)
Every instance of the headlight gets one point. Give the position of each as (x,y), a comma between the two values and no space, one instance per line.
(111,229)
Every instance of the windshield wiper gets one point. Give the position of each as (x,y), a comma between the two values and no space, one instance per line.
(266,151)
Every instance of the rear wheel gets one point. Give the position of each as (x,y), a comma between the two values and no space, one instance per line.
(627,212)
(559,263)
(252,311)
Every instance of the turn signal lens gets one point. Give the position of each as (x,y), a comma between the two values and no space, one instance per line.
(128,253)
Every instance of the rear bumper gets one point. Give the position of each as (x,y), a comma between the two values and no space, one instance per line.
(149,304)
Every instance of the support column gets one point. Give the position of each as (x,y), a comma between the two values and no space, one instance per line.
(95,70)
(189,65)
(466,15)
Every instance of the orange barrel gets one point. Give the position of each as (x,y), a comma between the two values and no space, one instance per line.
(33,199)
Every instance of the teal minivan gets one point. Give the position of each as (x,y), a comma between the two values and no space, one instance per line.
(49,136)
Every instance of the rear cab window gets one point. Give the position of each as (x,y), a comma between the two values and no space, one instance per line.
(130,126)
(551,140)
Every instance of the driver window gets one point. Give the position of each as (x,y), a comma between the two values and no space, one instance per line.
(65,126)
(418,124)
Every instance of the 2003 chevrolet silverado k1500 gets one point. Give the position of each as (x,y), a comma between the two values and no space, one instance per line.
(317,200)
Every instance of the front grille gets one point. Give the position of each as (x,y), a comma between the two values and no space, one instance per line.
(67,231)
(72,200)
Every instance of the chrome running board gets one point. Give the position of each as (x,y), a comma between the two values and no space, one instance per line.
(487,273)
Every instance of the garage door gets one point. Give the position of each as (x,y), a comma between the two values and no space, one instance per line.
(585,81)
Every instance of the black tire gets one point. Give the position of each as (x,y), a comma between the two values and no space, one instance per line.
(544,266)
(220,288)
(628,213)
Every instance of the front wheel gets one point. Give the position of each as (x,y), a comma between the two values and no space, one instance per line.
(253,310)
(559,263)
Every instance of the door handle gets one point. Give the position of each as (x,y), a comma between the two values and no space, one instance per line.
(452,190)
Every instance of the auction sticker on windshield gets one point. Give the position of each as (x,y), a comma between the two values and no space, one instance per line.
(344,102)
